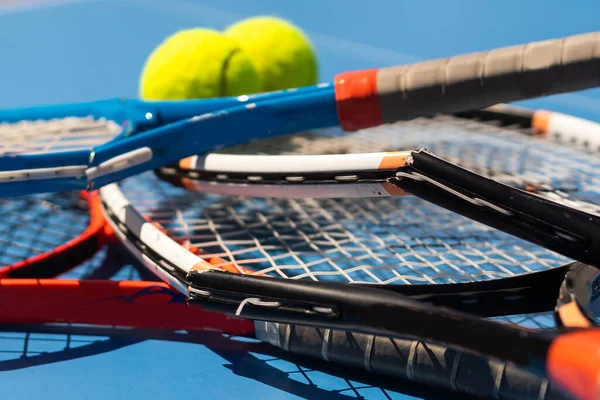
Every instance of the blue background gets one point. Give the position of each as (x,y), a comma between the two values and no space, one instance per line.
(57,51)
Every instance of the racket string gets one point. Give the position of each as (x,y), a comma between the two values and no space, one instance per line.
(36,224)
(55,135)
(33,225)
(364,255)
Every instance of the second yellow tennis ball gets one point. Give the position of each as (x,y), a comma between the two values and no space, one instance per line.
(198,63)
(281,52)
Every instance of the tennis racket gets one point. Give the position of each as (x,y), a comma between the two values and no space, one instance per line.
(356,100)
(311,249)
(155,305)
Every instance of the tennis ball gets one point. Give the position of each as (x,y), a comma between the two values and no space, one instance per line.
(198,63)
(281,52)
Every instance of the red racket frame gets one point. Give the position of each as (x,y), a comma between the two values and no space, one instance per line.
(139,304)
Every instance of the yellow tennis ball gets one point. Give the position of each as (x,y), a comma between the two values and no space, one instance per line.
(198,63)
(281,52)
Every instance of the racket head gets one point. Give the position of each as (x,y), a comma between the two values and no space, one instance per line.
(382,241)
(48,234)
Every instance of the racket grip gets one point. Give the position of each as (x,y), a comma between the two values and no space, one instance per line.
(467,82)
(411,360)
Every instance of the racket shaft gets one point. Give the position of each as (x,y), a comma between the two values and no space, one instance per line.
(172,111)
(136,111)
(566,230)
(114,303)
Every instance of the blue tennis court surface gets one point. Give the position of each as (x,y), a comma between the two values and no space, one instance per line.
(55,51)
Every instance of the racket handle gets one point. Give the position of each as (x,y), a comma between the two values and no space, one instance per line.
(574,363)
(467,82)
(411,360)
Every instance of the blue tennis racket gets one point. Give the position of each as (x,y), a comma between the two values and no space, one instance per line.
(146,136)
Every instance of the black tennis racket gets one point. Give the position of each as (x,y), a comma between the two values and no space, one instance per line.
(343,264)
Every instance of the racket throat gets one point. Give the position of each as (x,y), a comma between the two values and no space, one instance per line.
(555,226)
